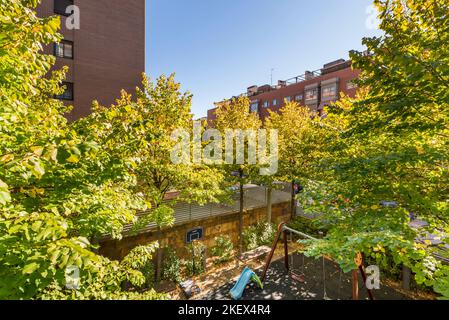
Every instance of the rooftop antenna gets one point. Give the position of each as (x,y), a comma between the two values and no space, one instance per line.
(272,76)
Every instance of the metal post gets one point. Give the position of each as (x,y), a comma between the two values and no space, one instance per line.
(273,249)
(268,201)
(293,202)
(286,251)
(355,285)
(241,214)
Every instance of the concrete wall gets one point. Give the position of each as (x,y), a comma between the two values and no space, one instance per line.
(213,227)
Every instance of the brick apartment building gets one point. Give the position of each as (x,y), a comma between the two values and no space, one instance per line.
(314,89)
(106,54)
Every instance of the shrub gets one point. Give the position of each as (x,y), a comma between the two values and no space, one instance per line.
(171,269)
(266,232)
(314,228)
(250,239)
(385,261)
(223,249)
(140,259)
(261,234)
(195,264)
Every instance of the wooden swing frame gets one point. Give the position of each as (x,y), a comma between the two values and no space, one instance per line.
(283,230)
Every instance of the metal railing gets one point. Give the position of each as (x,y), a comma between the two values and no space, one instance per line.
(254,197)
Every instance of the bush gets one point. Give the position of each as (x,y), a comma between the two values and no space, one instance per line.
(385,261)
(171,268)
(261,234)
(312,227)
(267,233)
(223,249)
(195,264)
(140,259)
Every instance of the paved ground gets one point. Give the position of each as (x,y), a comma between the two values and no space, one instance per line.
(280,286)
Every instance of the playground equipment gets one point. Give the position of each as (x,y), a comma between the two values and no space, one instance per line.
(283,231)
(295,274)
(246,277)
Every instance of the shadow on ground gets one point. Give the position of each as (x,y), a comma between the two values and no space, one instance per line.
(332,285)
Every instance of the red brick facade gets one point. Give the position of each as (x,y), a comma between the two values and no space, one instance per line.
(338,74)
(108,50)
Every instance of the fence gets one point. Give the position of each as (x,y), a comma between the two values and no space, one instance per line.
(254,197)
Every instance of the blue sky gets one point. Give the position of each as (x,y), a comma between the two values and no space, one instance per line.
(218,48)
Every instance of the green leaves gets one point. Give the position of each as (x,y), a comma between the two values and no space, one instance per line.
(52,25)
(59,186)
(135,140)
(5,196)
(30,268)
(139,263)
(223,249)
(301,141)
(63,186)
(37,169)
(390,144)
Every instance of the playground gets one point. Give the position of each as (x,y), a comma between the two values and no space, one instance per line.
(280,285)
(284,273)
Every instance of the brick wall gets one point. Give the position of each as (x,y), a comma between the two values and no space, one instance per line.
(108,50)
(213,227)
(344,76)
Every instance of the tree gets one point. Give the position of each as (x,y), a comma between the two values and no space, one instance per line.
(138,134)
(392,145)
(301,140)
(57,190)
(234,115)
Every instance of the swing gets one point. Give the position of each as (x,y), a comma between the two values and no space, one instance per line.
(283,229)
(297,275)
(340,271)
(325,296)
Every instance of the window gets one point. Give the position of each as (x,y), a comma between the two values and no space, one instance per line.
(329,93)
(64,49)
(312,94)
(275,102)
(266,104)
(298,97)
(254,107)
(288,99)
(60,6)
(351,85)
(68,92)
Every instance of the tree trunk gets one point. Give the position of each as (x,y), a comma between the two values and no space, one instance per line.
(293,202)
(95,243)
(269,206)
(241,219)
(159,256)
(406,276)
